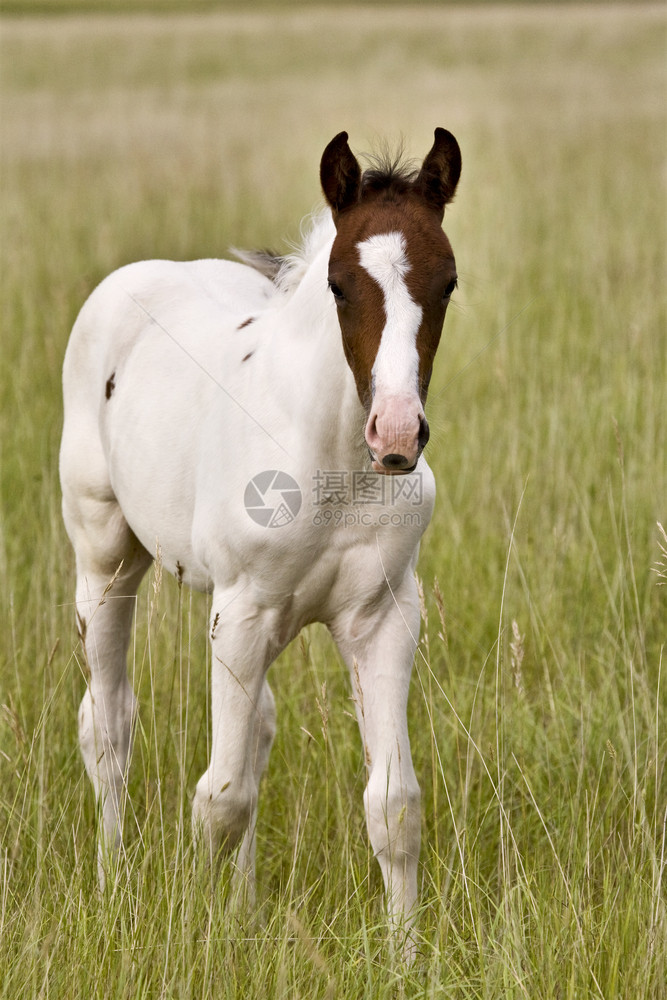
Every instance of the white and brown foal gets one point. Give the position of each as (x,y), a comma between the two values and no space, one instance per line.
(186,385)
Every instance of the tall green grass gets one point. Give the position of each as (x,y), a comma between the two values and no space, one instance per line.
(538,704)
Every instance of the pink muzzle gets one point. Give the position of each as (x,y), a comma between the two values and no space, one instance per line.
(396,433)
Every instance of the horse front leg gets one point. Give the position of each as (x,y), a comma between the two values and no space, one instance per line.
(242,732)
(265,729)
(380,663)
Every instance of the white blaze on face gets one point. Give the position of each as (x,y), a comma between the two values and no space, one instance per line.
(396,367)
(393,426)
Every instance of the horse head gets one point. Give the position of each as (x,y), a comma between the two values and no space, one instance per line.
(391,273)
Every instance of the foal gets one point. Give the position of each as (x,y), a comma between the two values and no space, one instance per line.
(264,431)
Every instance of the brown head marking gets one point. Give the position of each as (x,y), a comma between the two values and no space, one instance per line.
(391,273)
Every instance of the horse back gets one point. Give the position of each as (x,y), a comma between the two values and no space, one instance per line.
(174,295)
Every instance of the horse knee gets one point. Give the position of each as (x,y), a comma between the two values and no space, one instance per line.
(267,725)
(394,821)
(105,735)
(221,816)
(393,816)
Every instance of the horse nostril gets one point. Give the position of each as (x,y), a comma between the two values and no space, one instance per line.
(424,433)
(395,462)
(371,432)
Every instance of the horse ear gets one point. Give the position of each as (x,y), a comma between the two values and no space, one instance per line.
(440,171)
(340,175)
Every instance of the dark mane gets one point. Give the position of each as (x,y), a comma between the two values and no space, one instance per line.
(388,172)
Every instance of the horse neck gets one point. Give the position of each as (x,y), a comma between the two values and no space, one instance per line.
(324,391)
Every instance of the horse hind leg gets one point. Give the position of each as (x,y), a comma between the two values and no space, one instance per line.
(110,565)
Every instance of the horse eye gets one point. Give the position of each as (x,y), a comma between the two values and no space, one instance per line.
(336,291)
(450,288)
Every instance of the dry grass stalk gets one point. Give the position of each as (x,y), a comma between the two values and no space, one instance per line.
(661,567)
(516,657)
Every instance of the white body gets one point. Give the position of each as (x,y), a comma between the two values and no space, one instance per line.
(173,403)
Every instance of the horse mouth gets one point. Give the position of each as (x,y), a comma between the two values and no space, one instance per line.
(391,468)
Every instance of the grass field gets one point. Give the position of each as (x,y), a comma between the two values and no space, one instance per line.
(537,709)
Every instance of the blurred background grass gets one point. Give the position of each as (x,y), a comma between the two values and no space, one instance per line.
(32,8)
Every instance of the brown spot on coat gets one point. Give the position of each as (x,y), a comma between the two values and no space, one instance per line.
(110,386)
(249,355)
(246,322)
